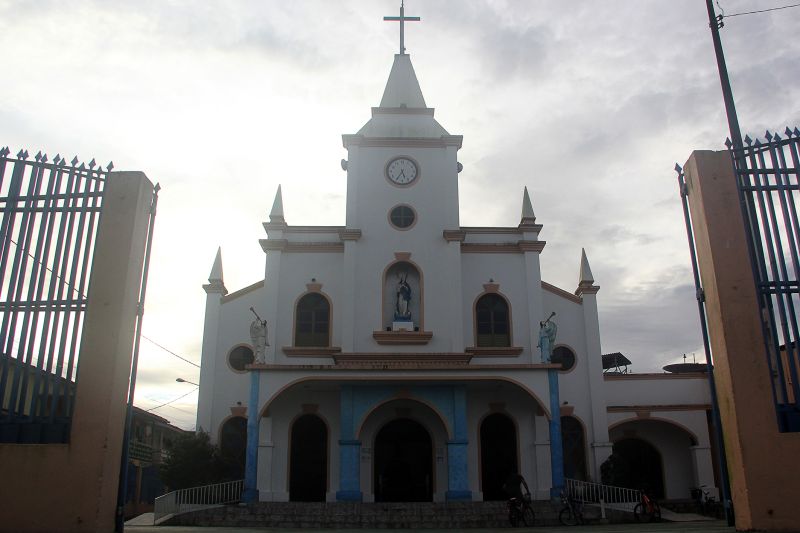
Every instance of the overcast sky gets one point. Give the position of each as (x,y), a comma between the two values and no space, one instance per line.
(588,104)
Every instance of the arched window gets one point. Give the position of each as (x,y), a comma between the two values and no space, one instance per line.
(312,321)
(491,316)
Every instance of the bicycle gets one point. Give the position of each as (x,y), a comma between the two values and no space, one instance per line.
(647,510)
(706,504)
(520,511)
(572,513)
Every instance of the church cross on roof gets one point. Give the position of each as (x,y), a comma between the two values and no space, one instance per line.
(402,19)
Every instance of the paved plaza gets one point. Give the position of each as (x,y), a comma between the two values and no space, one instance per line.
(717,526)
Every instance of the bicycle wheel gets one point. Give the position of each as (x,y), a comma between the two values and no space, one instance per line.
(642,514)
(513,517)
(567,517)
(528,516)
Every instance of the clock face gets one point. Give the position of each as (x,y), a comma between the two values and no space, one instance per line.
(401,171)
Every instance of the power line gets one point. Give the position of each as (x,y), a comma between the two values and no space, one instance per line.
(760,11)
(74,289)
(173,400)
(170,351)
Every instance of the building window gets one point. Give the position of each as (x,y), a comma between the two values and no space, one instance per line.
(491,316)
(563,356)
(312,321)
(239,357)
(402,217)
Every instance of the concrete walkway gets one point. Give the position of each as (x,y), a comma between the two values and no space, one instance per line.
(716,526)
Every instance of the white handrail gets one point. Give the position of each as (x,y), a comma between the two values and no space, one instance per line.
(619,498)
(196,498)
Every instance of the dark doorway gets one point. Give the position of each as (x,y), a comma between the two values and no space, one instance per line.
(403,463)
(308,465)
(498,455)
(637,465)
(573,445)
(232,445)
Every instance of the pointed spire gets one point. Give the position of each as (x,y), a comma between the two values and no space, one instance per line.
(216,269)
(586,278)
(276,214)
(216,283)
(527,209)
(586,272)
(402,88)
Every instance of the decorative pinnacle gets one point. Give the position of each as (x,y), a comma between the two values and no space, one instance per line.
(57,158)
(276,213)
(586,276)
(728,142)
(788,132)
(768,135)
(4,151)
(797,131)
(75,160)
(216,268)
(38,156)
(22,154)
(110,165)
(748,140)
(44,158)
(678,168)
(776,138)
(527,208)
(92,163)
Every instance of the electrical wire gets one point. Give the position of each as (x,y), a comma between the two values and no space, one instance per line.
(74,289)
(145,337)
(760,11)
(173,400)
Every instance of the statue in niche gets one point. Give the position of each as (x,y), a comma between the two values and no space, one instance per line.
(258,334)
(547,337)
(402,308)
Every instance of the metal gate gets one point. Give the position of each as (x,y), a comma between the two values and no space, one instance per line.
(50,215)
(768,178)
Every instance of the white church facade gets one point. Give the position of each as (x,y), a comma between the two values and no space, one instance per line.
(401,359)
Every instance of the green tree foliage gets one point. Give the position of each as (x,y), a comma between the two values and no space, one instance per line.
(193,461)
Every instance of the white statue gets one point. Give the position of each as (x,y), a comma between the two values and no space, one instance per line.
(403,298)
(258,334)
(547,337)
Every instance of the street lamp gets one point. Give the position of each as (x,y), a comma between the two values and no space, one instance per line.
(181,380)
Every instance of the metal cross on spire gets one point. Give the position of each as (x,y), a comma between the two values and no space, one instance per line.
(402,19)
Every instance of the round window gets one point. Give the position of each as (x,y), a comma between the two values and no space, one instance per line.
(402,217)
(563,356)
(239,357)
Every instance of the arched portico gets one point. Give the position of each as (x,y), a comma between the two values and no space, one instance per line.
(659,453)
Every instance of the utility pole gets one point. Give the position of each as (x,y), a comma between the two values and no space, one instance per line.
(715,23)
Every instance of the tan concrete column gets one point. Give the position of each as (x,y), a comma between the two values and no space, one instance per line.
(762,462)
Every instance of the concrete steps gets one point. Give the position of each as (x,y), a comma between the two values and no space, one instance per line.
(345,515)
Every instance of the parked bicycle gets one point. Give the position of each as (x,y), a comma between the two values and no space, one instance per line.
(572,513)
(647,510)
(706,503)
(520,510)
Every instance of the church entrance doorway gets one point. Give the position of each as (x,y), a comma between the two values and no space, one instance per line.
(403,469)
(308,464)
(498,455)
(638,466)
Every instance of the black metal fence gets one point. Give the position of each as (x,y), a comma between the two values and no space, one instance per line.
(50,215)
(768,174)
